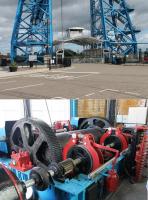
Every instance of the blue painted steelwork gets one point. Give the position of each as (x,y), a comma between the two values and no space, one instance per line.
(111,23)
(3,145)
(73,108)
(75,121)
(71,189)
(32,33)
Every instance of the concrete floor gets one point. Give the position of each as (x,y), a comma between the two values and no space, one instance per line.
(79,81)
(128,191)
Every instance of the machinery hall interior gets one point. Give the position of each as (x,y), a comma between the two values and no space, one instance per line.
(109,38)
(73,149)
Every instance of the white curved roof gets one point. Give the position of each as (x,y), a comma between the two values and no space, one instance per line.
(75,28)
(82,40)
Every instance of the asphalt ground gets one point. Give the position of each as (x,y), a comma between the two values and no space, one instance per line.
(79,81)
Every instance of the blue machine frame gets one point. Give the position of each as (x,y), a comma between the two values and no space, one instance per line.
(32,33)
(111,23)
(71,189)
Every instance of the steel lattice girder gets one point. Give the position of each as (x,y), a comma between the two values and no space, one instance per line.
(111,23)
(32,33)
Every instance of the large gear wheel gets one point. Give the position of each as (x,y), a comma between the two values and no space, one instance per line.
(95,122)
(36,137)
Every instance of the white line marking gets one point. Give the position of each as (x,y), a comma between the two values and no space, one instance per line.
(103,90)
(133,93)
(36,75)
(62,75)
(71,78)
(112,90)
(26,86)
(7,82)
(76,72)
(58,77)
(88,95)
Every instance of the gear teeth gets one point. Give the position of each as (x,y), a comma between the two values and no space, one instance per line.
(142,156)
(55,150)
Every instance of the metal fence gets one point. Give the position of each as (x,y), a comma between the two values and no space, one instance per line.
(95,56)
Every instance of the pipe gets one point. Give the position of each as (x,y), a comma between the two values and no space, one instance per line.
(100,169)
(95,173)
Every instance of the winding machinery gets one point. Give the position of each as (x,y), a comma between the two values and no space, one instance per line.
(39,163)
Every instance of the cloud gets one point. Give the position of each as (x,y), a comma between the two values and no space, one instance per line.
(75,13)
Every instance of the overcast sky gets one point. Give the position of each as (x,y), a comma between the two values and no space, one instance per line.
(75,13)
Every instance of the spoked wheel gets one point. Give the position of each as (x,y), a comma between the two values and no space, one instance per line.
(79,151)
(36,137)
(95,121)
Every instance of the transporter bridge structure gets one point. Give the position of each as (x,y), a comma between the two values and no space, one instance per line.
(110,23)
(32,33)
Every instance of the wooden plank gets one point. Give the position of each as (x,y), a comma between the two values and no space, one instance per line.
(92,108)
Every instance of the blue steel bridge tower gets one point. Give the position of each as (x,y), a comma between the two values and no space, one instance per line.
(111,23)
(32,33)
